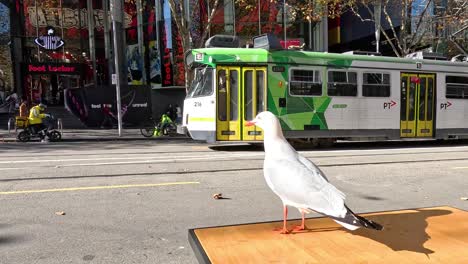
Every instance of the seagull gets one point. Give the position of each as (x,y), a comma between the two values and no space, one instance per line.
(300,183)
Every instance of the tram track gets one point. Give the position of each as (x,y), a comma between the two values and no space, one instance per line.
(138,155)
(221,171)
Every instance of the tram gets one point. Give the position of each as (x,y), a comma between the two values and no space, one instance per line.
(323,96)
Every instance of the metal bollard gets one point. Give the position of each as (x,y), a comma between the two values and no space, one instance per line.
(10,120)
(60,125)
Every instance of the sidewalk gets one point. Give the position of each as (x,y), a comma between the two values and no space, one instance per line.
(75,135)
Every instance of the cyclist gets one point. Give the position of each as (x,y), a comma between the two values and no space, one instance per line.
(36,116)
(166,121)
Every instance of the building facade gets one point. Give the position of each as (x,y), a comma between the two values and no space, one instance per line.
(61,52)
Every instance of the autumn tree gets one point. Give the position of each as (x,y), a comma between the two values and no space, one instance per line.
(411,25)
(304,10)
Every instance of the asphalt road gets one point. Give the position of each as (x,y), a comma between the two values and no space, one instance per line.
(133,201)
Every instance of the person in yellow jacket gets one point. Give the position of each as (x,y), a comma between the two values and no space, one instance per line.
(36,116)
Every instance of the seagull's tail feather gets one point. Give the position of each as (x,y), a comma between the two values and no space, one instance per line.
(363,221)
(353,221)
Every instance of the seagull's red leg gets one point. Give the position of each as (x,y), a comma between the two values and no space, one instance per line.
(284,230)
(285,217)
(302,226)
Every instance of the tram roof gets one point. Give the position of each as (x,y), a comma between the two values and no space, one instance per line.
(213,56)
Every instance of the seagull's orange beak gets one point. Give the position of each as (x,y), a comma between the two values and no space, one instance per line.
(249,123)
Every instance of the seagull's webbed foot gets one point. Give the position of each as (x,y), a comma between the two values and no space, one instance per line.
(300,228)
(282,230)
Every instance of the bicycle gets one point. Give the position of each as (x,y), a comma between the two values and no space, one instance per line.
(165,127)
(28,132)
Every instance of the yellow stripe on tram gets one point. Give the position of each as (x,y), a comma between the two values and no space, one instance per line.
(201,119)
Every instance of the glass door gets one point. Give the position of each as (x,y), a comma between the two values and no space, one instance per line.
(254,88)
(417,105)
(228,124)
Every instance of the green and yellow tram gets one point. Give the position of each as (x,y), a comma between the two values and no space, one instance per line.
(323,96)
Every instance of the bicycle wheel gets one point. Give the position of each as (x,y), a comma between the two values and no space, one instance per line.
(24,136)
(54,135)
(148,129)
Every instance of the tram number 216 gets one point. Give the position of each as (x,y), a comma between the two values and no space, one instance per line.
(197,104)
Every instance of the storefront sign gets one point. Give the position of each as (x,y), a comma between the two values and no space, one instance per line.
(50,41)
(58,68)
(167,78)
(70,19)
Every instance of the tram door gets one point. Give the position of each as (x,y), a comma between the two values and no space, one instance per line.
(240,96)
(417,105)
(254,102)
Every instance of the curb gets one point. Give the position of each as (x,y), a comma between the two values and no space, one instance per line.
(101,139)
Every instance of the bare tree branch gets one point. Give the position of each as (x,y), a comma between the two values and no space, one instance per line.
(418,25)
(208,24)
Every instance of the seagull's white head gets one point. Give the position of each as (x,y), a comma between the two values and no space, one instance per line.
(268,122)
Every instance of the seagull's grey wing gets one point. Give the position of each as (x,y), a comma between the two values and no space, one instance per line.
(301,187)
(311,166)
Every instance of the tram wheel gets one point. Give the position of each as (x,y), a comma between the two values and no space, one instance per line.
(326,142)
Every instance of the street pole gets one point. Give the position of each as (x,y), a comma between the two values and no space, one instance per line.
(377,13)
(117,21)
(92,40)
(284,24)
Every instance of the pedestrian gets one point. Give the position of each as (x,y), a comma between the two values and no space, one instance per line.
(171,112)
(24,107)
(179,114)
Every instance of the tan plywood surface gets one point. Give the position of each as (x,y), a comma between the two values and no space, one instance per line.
(426,235)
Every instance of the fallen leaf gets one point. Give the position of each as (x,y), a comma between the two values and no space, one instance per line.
(218,196)
(60,213)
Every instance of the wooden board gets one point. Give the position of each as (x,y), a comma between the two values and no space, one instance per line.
(425,235)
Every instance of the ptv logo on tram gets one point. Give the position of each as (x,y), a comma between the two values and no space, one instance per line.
(388,105)
(445,105)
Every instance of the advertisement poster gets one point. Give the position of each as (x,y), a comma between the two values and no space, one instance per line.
(98,107)
(178,53)
(134,65)
(155,65)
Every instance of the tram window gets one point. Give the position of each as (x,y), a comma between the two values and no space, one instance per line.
(260,91)
(305,83)
(422,99)
(430,104)
(342,83)
(202,84)
(234,89)
(376,85)
(248,95)
(456,87)
(222,96)
(404,97)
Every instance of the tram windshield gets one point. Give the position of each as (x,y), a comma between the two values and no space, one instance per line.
(202,84)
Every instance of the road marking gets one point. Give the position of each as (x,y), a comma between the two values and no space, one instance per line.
(460,168)
(150,161)
(165,158)
(99,187)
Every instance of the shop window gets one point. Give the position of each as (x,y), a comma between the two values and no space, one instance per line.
(342,83)
(376,84)
(305,83)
